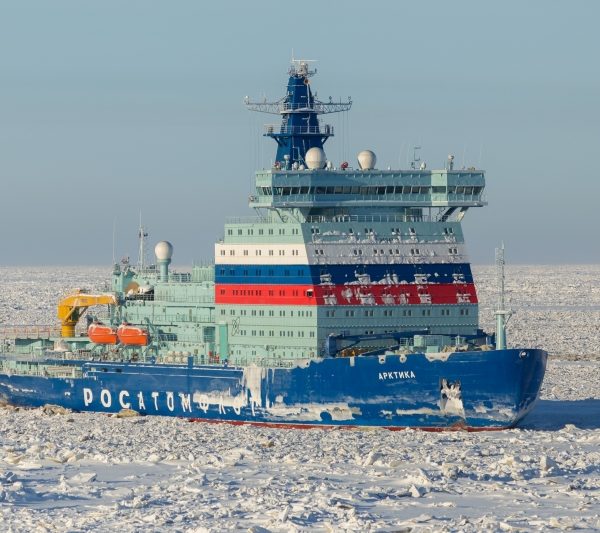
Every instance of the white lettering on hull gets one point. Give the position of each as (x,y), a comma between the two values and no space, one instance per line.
(249,394)
(141,403)
(87,396)
(186,402)
(105,398)
(405,374)
(122,402)
(170,401)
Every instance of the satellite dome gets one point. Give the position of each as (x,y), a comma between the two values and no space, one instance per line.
(315,158)
(367,160)
(163,250)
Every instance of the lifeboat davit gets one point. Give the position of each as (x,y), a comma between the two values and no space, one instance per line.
(102,334)
(132,335)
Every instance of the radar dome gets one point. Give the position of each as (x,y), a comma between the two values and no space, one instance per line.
(367,160)
(163,250)
(315,158)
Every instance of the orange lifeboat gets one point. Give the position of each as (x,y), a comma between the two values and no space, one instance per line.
(132,335)
(102,334)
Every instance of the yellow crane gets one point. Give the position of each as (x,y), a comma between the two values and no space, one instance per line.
(71,308)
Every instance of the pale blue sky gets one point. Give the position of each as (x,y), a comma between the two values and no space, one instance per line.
(110,107)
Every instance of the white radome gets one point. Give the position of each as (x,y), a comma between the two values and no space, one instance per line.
(367,160)
(163,250)
(315,158)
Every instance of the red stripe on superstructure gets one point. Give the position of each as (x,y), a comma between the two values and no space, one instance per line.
(351,294)
(265,294)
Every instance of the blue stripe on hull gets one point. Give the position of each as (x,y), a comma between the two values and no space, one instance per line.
(496,390)
(340,274)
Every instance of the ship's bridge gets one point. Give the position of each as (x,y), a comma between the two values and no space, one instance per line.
(368,188)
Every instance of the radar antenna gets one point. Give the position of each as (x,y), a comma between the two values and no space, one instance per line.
(299,129)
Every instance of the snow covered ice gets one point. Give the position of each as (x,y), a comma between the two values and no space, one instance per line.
(92,472)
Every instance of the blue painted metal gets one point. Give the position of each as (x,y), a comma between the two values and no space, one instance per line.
(300,129)
(340,274)
(492,390)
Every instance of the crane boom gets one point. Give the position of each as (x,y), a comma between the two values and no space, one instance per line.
(71,308)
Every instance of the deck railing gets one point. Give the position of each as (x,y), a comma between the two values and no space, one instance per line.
(29,331)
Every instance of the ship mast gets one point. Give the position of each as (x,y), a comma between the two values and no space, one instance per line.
(502,314)
(300,129)
(142,234)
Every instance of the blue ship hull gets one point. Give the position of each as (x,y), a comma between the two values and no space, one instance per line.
(471,390)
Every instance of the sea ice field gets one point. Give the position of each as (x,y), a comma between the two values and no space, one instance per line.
(62,471)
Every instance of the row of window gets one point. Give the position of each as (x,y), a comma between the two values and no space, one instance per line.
(270,312)
(389,312)
(391,251)
(259,272)
(270,231)
(258,292)
(271,333)
(259,252)
(296,231)
(371,190)
(321,252)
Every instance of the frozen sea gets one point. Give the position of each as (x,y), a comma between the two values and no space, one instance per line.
(91,472)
